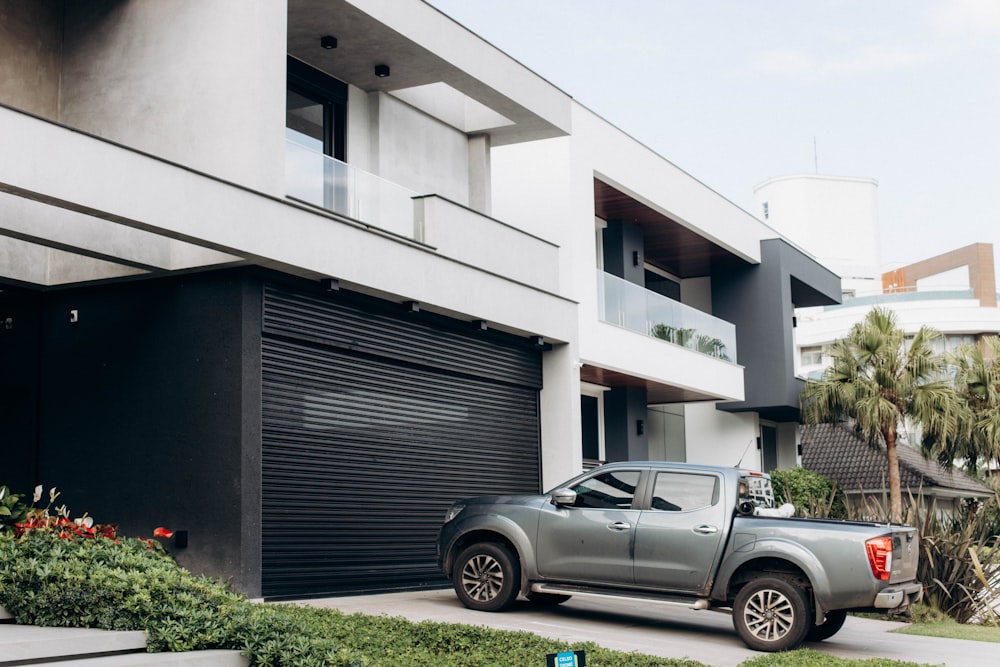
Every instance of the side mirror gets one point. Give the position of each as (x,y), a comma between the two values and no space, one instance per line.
(562,497)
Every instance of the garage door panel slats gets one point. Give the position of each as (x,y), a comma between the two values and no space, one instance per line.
(364,447)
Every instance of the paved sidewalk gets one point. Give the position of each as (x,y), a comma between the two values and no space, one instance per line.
(705,636)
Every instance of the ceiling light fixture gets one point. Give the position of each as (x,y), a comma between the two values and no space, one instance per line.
(328,42)
(381,71)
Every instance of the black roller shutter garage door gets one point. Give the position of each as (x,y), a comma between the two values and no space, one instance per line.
(373,423)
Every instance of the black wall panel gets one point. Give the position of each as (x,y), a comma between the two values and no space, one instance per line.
(141,412)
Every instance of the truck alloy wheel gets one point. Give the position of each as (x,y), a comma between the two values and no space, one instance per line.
(772,614)
(486,577)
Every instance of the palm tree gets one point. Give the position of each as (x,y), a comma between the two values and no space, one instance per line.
(977,380)
(880,383)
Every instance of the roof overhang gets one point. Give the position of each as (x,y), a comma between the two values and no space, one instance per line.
(435,65)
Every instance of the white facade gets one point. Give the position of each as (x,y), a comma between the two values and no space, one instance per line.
(153,141)
(348,240)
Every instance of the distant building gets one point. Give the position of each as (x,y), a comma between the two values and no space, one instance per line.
(835,219)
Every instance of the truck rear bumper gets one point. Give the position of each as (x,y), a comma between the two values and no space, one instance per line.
(899,595)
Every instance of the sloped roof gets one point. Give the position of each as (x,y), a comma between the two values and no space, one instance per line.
(835,451)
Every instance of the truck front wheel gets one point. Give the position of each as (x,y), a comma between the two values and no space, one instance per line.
(772,614)
(487,577)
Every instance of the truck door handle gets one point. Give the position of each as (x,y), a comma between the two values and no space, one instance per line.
(705,529)
(619,525)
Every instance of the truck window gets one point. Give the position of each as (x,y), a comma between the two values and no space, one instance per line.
(608,490)
(677,491)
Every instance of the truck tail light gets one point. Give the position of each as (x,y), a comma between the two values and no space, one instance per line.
(880,556)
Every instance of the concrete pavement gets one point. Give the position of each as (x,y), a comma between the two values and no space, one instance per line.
(705,636)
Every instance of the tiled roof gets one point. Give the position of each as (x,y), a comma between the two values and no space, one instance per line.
(836,452)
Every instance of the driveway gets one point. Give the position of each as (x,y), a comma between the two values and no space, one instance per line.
(660,630)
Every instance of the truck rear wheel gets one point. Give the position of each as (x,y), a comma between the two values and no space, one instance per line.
(772,614)
(487,577)
(831,626)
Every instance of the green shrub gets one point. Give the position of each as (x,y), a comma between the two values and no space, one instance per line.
(132,584)
(809,658)
(956,555)
(813,494)
(12,510)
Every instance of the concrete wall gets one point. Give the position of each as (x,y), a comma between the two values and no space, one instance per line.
(200,83)
(559,411)
(268,231)
(150,413)
(30,55)
(666,433)
(719,438)
(697,293)
(420,152)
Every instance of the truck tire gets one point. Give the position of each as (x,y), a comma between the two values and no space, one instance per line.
(487,577)
(772,614)
(831,626)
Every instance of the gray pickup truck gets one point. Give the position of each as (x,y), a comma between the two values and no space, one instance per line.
(691,535)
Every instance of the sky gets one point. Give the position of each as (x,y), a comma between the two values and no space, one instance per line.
(734,92)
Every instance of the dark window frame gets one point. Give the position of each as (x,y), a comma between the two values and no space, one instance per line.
(332,94)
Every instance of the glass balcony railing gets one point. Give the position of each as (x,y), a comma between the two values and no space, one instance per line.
(321,180)
(630,306)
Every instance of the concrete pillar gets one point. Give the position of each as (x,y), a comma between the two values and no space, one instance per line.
(559,406)
(625,428)
(480,174)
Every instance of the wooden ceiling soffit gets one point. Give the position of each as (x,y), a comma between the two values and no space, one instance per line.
(668,244)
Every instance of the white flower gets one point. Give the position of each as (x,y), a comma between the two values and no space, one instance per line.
(38,494)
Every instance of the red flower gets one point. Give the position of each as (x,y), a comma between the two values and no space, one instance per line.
(160,531)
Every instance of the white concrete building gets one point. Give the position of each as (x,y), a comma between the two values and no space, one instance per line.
(290,277)
(833,217)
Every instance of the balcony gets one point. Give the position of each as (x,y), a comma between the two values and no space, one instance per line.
(451,230)
(320,180)
(627,305)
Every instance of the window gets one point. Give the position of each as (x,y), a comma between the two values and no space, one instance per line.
(592,424)
(767,213)
(315,109)
(608,490)
(590,421)
(678,492)
(812,356)
(768,447)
